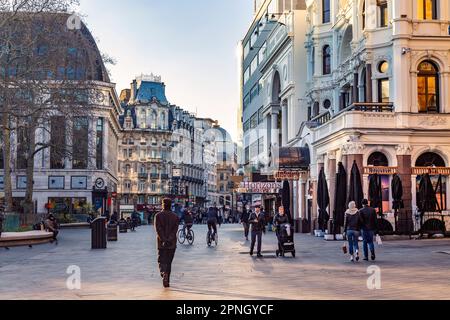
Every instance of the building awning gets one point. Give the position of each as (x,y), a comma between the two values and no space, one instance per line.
(294,159)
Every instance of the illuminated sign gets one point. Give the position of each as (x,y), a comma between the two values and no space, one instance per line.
(260,187)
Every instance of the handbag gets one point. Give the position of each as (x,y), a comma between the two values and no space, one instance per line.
(344,249)
(379,241)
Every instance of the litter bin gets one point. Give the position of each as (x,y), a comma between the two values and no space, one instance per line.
(98,232)
(123,226)
(112,231)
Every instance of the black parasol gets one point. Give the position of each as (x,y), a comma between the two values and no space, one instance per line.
(397,193)
(286,199)
(340,200)
(375,192)
(323,200)
(356,192)
(427,200)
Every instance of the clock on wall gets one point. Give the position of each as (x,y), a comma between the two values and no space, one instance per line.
(99,183)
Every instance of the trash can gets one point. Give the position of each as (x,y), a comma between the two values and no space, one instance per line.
(112,231)
(123,226)
(98,233)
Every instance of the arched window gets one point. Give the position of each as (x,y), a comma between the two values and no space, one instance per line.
(163,120)
(154,120)
(326,68)
(383,13)
(427,9)
(430,159)
(316,109)
(326,11)
(428,87)
(378,159)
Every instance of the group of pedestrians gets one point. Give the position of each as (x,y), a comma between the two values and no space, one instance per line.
(363,223)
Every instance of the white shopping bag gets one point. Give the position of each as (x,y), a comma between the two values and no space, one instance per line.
(379,241)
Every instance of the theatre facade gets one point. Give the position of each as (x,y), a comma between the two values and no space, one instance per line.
(378,97)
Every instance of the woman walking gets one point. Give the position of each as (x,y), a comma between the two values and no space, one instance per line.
(352,230)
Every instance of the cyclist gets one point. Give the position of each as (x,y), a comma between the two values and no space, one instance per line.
(188,220)
(213,219)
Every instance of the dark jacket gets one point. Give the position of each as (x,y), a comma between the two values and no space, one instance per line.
(369,219)
(166,225)
(279,220)
(258,223)
(188,218)
(353,222)
(245,216)
(213,214)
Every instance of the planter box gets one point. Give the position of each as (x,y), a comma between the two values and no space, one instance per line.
(339,237)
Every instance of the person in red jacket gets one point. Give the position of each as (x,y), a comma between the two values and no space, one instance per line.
(166,225)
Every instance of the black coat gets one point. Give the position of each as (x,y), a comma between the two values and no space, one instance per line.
(245,216)
(258,223)
(213,213)
(353,222)
(166,225)
(279,220)
(369,219)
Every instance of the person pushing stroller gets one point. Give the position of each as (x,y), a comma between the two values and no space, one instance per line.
(284,233)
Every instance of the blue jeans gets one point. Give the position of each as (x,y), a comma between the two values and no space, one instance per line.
(368,242)
(353,240)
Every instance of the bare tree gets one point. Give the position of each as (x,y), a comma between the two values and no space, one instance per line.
(48,72)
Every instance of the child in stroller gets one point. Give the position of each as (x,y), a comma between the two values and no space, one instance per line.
(285,234)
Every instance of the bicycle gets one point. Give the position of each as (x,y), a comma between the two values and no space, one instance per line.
(210,239)
(183,236)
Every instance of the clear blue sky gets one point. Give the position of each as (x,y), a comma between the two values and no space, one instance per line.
(190,43)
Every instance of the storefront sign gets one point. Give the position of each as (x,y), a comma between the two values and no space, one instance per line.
(289,175)
(431,171)
(260,187)
(384,171)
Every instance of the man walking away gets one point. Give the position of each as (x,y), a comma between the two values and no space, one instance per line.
(369,229)
(244,220)
(258,223)
(166,225)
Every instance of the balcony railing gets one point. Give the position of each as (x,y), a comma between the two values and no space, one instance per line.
(143,176)
(154,176)
(361,107)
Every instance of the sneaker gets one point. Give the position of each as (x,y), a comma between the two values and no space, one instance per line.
(251,253)
(260,255)
(352,259)
(373,257)
(357,256)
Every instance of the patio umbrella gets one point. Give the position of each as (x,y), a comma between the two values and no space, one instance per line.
(427,200)
(340,200)
(286,199)
(323,200)
(375,191)
(397,193)
(356,192)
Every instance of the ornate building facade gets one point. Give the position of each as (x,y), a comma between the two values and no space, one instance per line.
(368,85)
(377,94)
(164,151)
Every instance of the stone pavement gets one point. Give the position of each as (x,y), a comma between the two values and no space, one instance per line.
(128,270)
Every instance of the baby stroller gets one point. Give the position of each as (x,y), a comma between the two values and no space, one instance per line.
(285,235)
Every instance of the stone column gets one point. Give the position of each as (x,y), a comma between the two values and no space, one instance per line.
(274,130)
(315,206)
(284,123)
(355,97)
(332,182)
(369,92)
(405,216)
